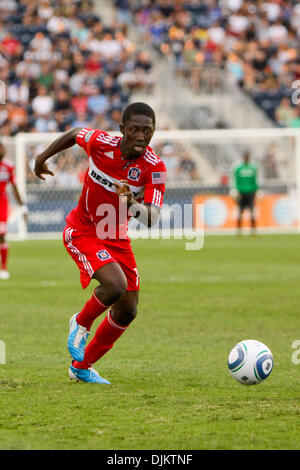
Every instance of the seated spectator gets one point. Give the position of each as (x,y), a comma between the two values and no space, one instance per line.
(138,75)
(80,31)
(169,153)
(46,77)
(10,45)
(78,79)
(123,13)
(114,120)
(284,113)
(18,92)
(186,169)
(41,47)
(108,47)
(79,103)
(97,102)
(17,117)
(46,124)
(295,120)
(62,100)
(81,119)
(28,68)
(93,63)
(45,10)
(269,163)
(278,32)
(43,103)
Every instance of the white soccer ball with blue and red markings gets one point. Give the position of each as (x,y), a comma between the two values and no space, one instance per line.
(250,362)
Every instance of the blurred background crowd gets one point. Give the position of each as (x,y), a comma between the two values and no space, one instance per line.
(256,41)
(63,66)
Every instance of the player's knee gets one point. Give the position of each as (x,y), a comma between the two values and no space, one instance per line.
(129,314)
(115,290)
(124,316)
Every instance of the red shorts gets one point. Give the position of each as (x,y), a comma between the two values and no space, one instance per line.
(90,253)
(3,215)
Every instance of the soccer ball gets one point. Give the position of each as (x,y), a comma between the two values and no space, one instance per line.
(250,362)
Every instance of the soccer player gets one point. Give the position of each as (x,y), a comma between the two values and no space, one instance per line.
(246,187)
(125,178)
(7,175)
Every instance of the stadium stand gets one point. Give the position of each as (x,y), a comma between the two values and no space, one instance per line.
(64,67)
(256,41)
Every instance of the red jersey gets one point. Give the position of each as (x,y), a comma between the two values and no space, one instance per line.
(7,175)
(145,175)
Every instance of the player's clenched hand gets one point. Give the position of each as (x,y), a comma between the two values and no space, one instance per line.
(123,189)
(41,168)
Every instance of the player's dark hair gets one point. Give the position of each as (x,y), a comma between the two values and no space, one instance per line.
(138,108)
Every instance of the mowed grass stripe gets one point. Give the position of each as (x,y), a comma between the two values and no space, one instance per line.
(171,388)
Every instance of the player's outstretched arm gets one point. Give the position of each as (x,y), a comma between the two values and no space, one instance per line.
(68,139)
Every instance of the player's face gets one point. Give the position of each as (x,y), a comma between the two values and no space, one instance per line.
(246,158)
(137,133)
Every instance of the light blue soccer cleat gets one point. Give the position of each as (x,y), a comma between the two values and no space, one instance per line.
(86,375)
(77,339)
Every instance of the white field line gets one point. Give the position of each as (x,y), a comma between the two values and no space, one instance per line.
(167,280)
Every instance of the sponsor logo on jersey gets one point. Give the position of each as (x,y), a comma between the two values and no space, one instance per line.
(100,179)
(134,174)
(103,255)
(88,135)
(247,172)
(108,181)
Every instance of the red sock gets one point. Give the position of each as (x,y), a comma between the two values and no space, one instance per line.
(106,334)
(4,254)
(92,309)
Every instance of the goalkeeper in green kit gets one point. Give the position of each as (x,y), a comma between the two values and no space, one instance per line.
(245,190)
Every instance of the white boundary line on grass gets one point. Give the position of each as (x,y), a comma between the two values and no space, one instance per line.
(207,232)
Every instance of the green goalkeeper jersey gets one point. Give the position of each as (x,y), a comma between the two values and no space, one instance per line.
(245,176)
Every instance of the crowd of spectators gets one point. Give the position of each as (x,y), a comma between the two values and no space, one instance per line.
(179,163)
(69,167)
(63,67)
(257,42)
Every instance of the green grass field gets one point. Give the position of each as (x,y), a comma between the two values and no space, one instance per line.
(171,388)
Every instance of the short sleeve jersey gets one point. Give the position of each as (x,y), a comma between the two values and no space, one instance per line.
(7,175)
(146,176)
(246,178)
